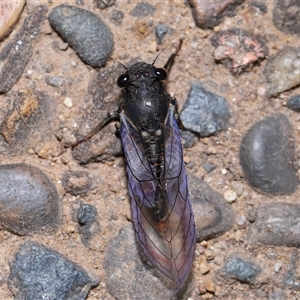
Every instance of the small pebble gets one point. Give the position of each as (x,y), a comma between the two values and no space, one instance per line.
(203,266)
(261,91)
(294,103)
(230,196)
(241,221)
(29,201)
(276,224)
(69,229)
(55,80)
(208,14)
(237,187)
(142,9)
(202,288)
(161,30)
(278,266)
(283,70)
(186,159)
(209,255)
(224,171)
(208,167)
(250,213)
(116,17)
(209,284)
(68,102)
(152,47)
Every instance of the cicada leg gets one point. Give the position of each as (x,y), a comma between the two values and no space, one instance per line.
(110,116)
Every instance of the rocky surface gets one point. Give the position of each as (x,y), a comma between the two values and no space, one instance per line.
(38,272)
(87,34)
(267,156)
(282,70)
(19,49)
(29,202)
(248,234)
(10,13)
(238,49)
(204,113)
(210,13)
(294,103)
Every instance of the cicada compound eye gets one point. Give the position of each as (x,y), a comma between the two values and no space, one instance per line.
(161,73)
(122,80)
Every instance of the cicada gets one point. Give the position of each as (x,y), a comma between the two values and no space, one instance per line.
(157,182)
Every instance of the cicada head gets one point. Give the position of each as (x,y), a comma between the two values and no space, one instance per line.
(142,75)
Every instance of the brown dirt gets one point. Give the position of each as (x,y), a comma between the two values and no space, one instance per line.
(194,63)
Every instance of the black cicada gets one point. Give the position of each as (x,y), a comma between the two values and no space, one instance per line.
(157,182)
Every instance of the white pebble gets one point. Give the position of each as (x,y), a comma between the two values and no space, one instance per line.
(230,196)
(278,266)
(241,220)
(68,102)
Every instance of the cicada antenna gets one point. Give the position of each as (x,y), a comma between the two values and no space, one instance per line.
(158,55)
(119,63)
(172,57)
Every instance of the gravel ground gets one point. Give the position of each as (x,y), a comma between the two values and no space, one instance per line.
(243,175)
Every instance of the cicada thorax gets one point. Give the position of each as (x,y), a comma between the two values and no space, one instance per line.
(148,113)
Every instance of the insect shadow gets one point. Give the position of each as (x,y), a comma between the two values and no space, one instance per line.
(157,182)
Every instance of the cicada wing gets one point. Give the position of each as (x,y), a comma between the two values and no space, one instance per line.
(173,148)
(169,243)
(180,218)
(134,151)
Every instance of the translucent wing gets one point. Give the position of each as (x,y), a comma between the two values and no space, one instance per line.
(134,151)
(169,243)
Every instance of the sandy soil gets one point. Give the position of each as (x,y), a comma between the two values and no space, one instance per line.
(135,38)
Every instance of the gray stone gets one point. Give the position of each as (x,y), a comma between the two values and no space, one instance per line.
(87,34)
(22,113)
(161,30)
(116,17)
(38,272)
(292,276)
(77,182)
(86,214)
(89,226)
(19,49)
(213,215)
(276,224)
(103,4)
(127,276)
(294,103)
(241,269)
(142,9)
(286,16)
(283,70)
(29,202)
(204,113)
(55,80)
(208,167)
(267,156)
(208,14)
(188,139)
